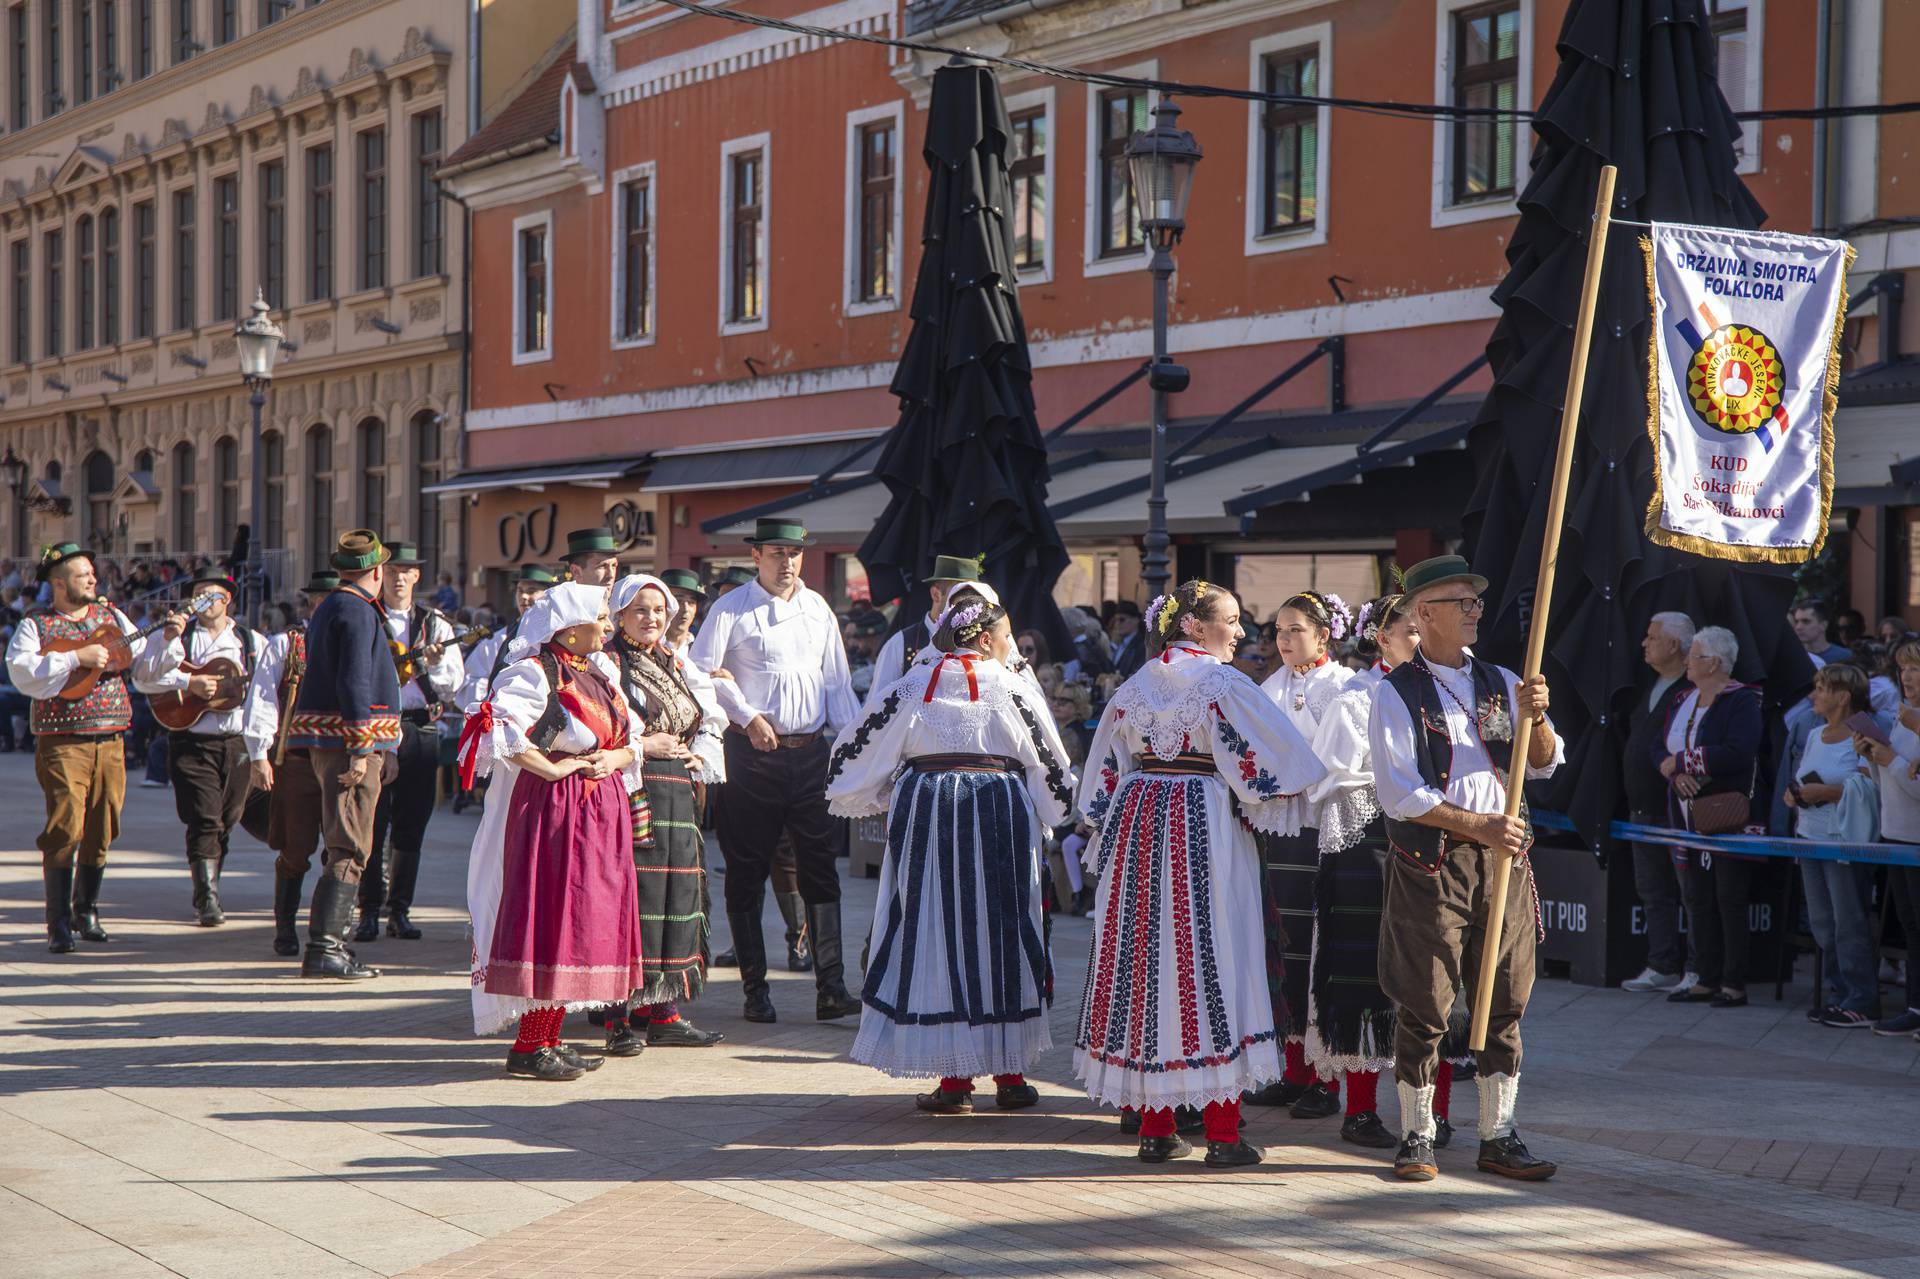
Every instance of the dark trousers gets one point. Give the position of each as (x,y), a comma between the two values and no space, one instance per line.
(768,793)
(1903,885)
(1716,889)
(1658,884)
(209,789)
(293,818)
(400,821)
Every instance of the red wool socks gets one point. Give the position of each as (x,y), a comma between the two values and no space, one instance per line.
(1363,1091)
(1298,1072)
(1442,1090)
(539,1028)
(1223,1121)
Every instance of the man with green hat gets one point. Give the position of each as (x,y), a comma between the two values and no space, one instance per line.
(687,593)
(790,690)
(898,653)
(592,556)
(285,773)
(490,654)
(731,579)
(207,760)
(1442,790)
(79,751)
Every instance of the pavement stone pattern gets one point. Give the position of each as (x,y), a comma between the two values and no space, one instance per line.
(177,1102)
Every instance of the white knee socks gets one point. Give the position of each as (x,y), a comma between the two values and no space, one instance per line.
(1416,1110)
(1497,1096)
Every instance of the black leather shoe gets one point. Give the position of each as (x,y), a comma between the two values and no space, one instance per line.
(206,892)
(574,1057)
(1365,1129)
(823,928)
(1509,1157)
(759,1008)
(1277,1093)
(751,947)
(1158,1150)
(942,1102)
(369,927)
(1689,995)
(1414,1160)
(327,954)
(286,914)
(1016,1096)
(1317,1102)
(1723,1000)
(831,1005)
(399,925)
(58,881)
(1129,1123)
(1186,1120)
(681,1034)
(622,1042)
(542,1063)
(1239,1153)
(725,959)
(1442,1133)
(86,903)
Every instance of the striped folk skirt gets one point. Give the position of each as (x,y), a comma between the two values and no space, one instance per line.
(1176,1009)
(670,870)
(1292,863)
(957,962)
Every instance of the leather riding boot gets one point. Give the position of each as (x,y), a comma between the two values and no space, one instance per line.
(751,947)
(327,954)
(206,892)
(86,902)
(793,909)
(831,999)
(286,914)
(59,882)
(373,893)
(404,867)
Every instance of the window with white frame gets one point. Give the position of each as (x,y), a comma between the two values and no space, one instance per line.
(1482,65)
(1030,153)
(1287,141)
(743,229)
(633,241)
(532,288)
(1115,241)
(1736,29)
(872,250)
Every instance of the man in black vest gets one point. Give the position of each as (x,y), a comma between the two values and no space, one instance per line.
(422,639)
(1442,740)
(906,644)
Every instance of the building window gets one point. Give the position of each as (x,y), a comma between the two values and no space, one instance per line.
(83,52)
(226,494)
(273,460)
(83,304)
(97,477)
(145,269)
(21,66)
(532,302)
(636,259)
(109,277)
(319,491)
(184,261)
(109,45)
(373,209)
(228,29)
(53,247)
(873,279)
(1122,113)
(429,219)
(142,39)
(319,223)
(1731,23)
(373,475)
(53,99)
(745,259)
(1290,143)
(1486,74)
(273,232)
(426,471)
(184,45)
(1028,171)
(22,301)
(269,14)
(184,538)
(226,272)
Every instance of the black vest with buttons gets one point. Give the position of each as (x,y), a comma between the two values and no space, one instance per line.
(1425,846)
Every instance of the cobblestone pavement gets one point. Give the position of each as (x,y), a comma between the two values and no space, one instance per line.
(177,1102)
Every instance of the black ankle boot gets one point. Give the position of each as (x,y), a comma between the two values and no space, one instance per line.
(86,902)
(206,892)
(750,945)
(286,914)
(831,999)
(404,867)
(327,954)
(59,883)
(793,909)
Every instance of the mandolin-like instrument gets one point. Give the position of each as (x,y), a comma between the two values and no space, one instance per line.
(119,646)
(177,709)
(408,661)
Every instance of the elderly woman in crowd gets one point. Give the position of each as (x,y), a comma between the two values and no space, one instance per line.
(1896,763)
(1836,800)
(1712,741)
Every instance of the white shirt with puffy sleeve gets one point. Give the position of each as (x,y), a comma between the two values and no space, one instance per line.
(1472,784)
(786,658)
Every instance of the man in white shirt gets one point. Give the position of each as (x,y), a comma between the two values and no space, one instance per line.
(484,663)
(592,557)
(789,692)
(1442,737)
(430,679)
(904,645)
(207,759)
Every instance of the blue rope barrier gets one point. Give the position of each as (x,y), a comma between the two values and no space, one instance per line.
(1747,845)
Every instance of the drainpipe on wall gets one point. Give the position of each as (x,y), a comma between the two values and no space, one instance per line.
(466,361)
(1822,98)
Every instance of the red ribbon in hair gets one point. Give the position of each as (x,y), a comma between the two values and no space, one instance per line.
(966,664)
(478,725)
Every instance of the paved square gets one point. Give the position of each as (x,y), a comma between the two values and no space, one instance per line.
(178,1102)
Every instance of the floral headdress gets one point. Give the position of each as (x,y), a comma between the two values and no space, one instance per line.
(967,620)
(1339,616)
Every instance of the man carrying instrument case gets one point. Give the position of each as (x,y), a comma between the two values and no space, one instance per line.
(195,677)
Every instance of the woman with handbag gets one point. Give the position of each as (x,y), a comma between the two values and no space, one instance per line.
(1712,742)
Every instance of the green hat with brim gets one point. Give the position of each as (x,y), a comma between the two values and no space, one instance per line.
(954,568)
(1438,570)
(779,533)
(588,542)
(737,576)
(56,554)
(538,576)
(681,579)
(405,555)
(357,550)
(321,582)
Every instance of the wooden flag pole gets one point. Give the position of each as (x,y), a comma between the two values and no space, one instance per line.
(1543,595)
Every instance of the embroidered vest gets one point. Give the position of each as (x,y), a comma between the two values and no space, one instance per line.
(295,665)
(1425,846)
(417,636)
(105,709)
(913,641)
(553,718)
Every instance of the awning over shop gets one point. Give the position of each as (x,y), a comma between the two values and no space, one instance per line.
(1876,455)
(750,463)
(1348,467)
(587,474)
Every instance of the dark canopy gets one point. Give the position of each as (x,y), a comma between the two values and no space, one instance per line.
(1636,89)
(965,464)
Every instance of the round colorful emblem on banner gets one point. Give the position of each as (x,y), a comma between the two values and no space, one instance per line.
(1735,379)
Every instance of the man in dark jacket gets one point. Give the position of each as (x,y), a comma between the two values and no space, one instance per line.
(1669,966)
(347,717)
(1127,636)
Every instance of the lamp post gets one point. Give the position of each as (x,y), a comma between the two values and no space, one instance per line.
(16,476)
(1161,161)
(258,338)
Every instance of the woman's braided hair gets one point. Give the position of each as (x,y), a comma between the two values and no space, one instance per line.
(1325,610)
(1375,616)
(1194,600)
(968,617)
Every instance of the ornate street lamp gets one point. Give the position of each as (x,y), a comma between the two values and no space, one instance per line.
(1161,162)
(258,338)
(15,472)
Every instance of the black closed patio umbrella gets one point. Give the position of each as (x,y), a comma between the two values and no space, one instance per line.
(1636,89)
(965,464)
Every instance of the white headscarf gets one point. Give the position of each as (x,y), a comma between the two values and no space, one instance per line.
(568,604)
(632,584)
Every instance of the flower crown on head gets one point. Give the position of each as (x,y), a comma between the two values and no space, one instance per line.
(1339,616)
(966,616)
(1367,625)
